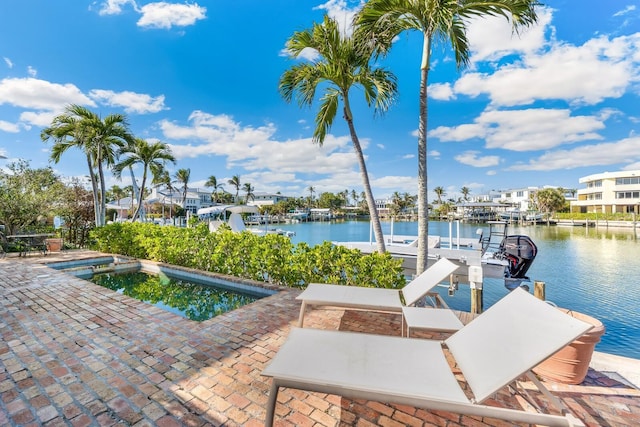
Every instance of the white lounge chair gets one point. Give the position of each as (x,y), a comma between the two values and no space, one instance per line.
(492,351)
(377,299)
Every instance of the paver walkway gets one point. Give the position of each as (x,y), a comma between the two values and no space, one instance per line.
(73,353)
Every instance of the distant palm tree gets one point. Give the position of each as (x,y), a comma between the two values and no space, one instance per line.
(344,62)
(212,182)
(465,193)
(163,178)
(311,190)
(396,204)
(248,188)
(354,196)
(440,193)
(151,156)
(182,177)
(98,138)
(117,193)
(234,181)
(381,21)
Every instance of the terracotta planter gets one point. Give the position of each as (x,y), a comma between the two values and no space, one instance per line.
(54,245)
(570,365)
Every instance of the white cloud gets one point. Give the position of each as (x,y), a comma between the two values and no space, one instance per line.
(492,38)
(8,62)
(410,156)
(40,94)
(9,127)
(471,158)
(601,68)
(166,15)
(433,153)
(440,91)
(32,71)
(524,130)
(132,102)
(114,7)
(407,183)
(626,151)
(254,148)
(40,119)
(341,13)
(626,10)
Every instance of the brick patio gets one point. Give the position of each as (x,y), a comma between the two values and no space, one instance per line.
(73,353)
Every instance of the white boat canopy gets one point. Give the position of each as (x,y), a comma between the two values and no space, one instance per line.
(221,210)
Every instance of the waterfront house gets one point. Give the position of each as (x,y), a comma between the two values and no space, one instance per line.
(609,192)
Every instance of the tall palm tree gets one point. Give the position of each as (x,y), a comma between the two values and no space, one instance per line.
(151,156)
(380,21)
(344,63)
(234,181)
(98,138)
(248,188)
(212,182)
(182,177)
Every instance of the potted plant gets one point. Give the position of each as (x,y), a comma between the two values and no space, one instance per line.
(570,364)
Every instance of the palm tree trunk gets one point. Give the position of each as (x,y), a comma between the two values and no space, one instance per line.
(371,202)
(139,209)
(423,202)
(137,194)
(103,204)
(94,188)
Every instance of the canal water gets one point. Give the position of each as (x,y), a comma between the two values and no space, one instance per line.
(595,271)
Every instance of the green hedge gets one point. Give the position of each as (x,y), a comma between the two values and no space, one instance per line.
(271,258)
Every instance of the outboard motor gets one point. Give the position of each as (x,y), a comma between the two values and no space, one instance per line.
(520,251)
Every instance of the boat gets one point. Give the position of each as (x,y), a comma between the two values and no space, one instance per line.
(512,215)
(298,215)
(498,254)
(232,216)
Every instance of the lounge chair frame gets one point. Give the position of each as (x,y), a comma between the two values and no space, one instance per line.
(377,299)
(493,351)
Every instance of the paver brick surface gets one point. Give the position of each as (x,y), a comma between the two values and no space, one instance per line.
(76,354)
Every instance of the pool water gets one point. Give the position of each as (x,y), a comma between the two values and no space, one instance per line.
(191,300)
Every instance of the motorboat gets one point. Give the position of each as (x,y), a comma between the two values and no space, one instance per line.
(499,255)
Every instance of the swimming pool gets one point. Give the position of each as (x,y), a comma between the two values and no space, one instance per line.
(191,294)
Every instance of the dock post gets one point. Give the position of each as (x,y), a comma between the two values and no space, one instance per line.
(475,281)
(539,290)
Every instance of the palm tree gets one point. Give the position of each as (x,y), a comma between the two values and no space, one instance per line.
(465,193)
(182,177)
(163,178)
(117,193)
(354,196)
(396,204)
(440,193)
(344,63)
(151,156)
(248,188)
(234,181)
(212,182)
(380,21)
(99,139)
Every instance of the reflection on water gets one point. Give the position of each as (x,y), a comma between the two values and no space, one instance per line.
(191,300)
(594,271)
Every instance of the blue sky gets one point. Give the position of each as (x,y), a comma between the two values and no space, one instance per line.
(557,103)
